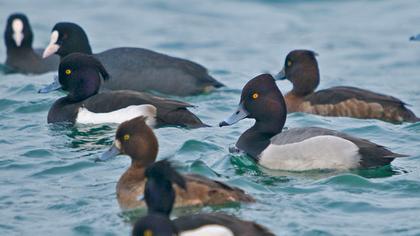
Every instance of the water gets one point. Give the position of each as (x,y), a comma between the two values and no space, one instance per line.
(51,186)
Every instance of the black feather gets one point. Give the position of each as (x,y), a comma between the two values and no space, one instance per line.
(163,170)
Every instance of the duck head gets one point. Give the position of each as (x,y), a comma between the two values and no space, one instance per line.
(154,225)
(18,33)
(135,139)
(301,68)
(80,75)
(160,198)
(261,100)
(67,38)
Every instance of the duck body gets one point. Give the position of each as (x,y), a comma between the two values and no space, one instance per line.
(202,191)
(168,112)
(301,68)
(144,70)
(351,102)
(135,68)
(309,148)
(80,75)
(228,224)
(30,61)
(21,57)
(297,149)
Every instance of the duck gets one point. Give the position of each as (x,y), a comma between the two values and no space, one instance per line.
(160,196)
(21,57)
(135,68)
(296,149)
(137,140)
(415,37)
(301,69)
(81,76)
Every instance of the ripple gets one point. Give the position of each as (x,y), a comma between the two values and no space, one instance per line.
(65,169)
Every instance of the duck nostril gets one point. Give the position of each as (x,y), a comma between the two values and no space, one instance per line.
(237,112)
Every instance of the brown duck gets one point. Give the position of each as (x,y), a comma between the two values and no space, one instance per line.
(301,68)
(137,140)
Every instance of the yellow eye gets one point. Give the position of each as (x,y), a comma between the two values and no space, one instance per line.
(68,72)
(148,232)
(126,137)
(255,95)
(289,63)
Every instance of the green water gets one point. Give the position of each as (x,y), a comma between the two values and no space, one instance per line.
(50,184)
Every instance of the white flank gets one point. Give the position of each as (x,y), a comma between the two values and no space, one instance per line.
(208,230)
(85,116)
(320,152)
(17,27)
(53,46)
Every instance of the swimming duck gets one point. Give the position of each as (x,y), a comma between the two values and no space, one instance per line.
(297,149)
(415,38)
(137,140)
(21,57)
(301,68)
(80,75)
(160,196)
(135,68)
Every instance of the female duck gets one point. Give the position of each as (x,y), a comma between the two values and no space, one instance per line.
(79,75)
(160,197)
(297,149)
(137,140)
(301,68)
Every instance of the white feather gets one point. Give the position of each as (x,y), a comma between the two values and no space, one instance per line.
(209,230)
(52,46)
(17,27)
(320,152)
(85,116)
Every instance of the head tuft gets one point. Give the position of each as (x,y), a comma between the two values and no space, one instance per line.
(163,170)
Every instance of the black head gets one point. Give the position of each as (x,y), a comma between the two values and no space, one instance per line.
(261,100)
(135,139)
(154,225)
(67,38)
(159,193)
(18,33)
(79,74)
(301,68)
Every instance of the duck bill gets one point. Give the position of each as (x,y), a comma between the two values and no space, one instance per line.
(50,50)
(415,38)
(112,152)
(53,46)
(238,115)
(51,87)
(281,75)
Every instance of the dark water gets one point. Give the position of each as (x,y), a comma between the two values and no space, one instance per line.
(51,186)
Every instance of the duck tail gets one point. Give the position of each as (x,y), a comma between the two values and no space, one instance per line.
(395,155)
(181,117)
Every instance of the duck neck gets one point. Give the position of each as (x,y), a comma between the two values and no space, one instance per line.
(18,51)
(132,177)
(257,138)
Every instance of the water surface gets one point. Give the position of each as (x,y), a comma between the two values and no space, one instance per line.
(51,186)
